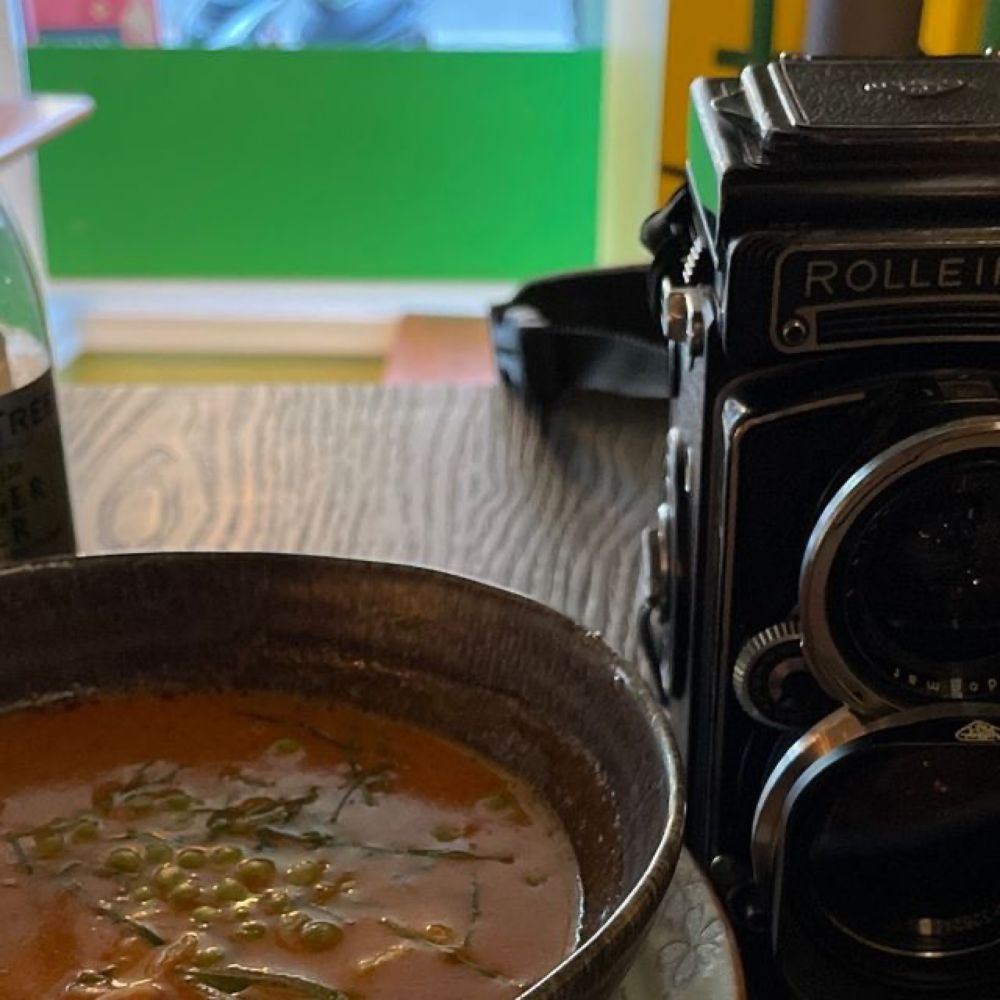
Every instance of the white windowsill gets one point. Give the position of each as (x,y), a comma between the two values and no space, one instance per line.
(341,319)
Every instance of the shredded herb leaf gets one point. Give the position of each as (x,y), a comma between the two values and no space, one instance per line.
(475,912)
(141,931)
(236,978)
(18,848)
(247,816)
(459,954)
(314,839)
(350,750)
(362,780)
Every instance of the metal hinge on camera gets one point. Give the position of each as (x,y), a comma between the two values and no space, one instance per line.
(686,313)
(654,616)
(657,560)
(664,566)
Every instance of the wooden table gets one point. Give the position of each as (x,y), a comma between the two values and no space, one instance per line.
(458,478)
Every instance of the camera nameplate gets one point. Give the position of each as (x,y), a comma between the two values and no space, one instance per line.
(838,296)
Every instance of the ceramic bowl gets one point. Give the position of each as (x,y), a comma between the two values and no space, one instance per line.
(511,678)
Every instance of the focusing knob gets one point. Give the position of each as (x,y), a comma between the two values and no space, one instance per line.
(772,682)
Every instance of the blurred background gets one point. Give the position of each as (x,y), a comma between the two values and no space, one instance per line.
(336,190)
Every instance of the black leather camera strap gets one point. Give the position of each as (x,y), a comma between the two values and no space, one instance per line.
(595,329)
(590,331)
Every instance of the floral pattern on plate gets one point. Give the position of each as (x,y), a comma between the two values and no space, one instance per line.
(690,953)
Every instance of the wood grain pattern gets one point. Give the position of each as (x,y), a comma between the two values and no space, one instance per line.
(457,478)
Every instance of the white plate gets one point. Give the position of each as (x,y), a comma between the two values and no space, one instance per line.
(690,953)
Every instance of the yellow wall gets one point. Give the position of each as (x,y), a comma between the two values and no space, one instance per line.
(699,28)
(951,26)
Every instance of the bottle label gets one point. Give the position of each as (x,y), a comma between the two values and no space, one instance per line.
(35,513)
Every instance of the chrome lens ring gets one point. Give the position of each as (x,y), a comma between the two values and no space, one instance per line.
(812,750)
(838,676)
(829,742)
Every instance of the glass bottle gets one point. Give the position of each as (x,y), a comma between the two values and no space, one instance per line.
(35,513)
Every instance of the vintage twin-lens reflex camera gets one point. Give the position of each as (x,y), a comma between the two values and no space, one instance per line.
(825,612)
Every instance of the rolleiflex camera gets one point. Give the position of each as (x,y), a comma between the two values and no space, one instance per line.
(823,313)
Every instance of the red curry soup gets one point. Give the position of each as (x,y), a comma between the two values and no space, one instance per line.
(258,846)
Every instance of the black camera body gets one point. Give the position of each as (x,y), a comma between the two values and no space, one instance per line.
(827,562)
(823,313)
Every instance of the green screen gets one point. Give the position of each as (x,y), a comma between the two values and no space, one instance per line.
(322,163)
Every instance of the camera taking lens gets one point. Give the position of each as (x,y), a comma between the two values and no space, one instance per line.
(901,578)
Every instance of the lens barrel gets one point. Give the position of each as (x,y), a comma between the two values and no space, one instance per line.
(875,844)
(900,585)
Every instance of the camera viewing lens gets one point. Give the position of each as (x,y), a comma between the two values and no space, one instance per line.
(916,585)
(904,857)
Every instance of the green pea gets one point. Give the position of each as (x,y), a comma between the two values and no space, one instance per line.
(319,935)
(91,977)
(184,896)
(504,799)
(289,925)
(323,892)
(85,830)
(168,876)
(224,855)
(446,834)
(250,930)
(157,852)
(344,885)
(228,890)
(440,934)
(205,914)
(205,957)
(536,879)
(285,746)
(49,845)
(177,802)
(256,873)
(275,901)
(305,872)
(241,910)
(140,804)
(293,919)
(143,893)
(124,860)
(191,857)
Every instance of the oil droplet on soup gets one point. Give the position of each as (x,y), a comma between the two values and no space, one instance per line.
(255,845)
